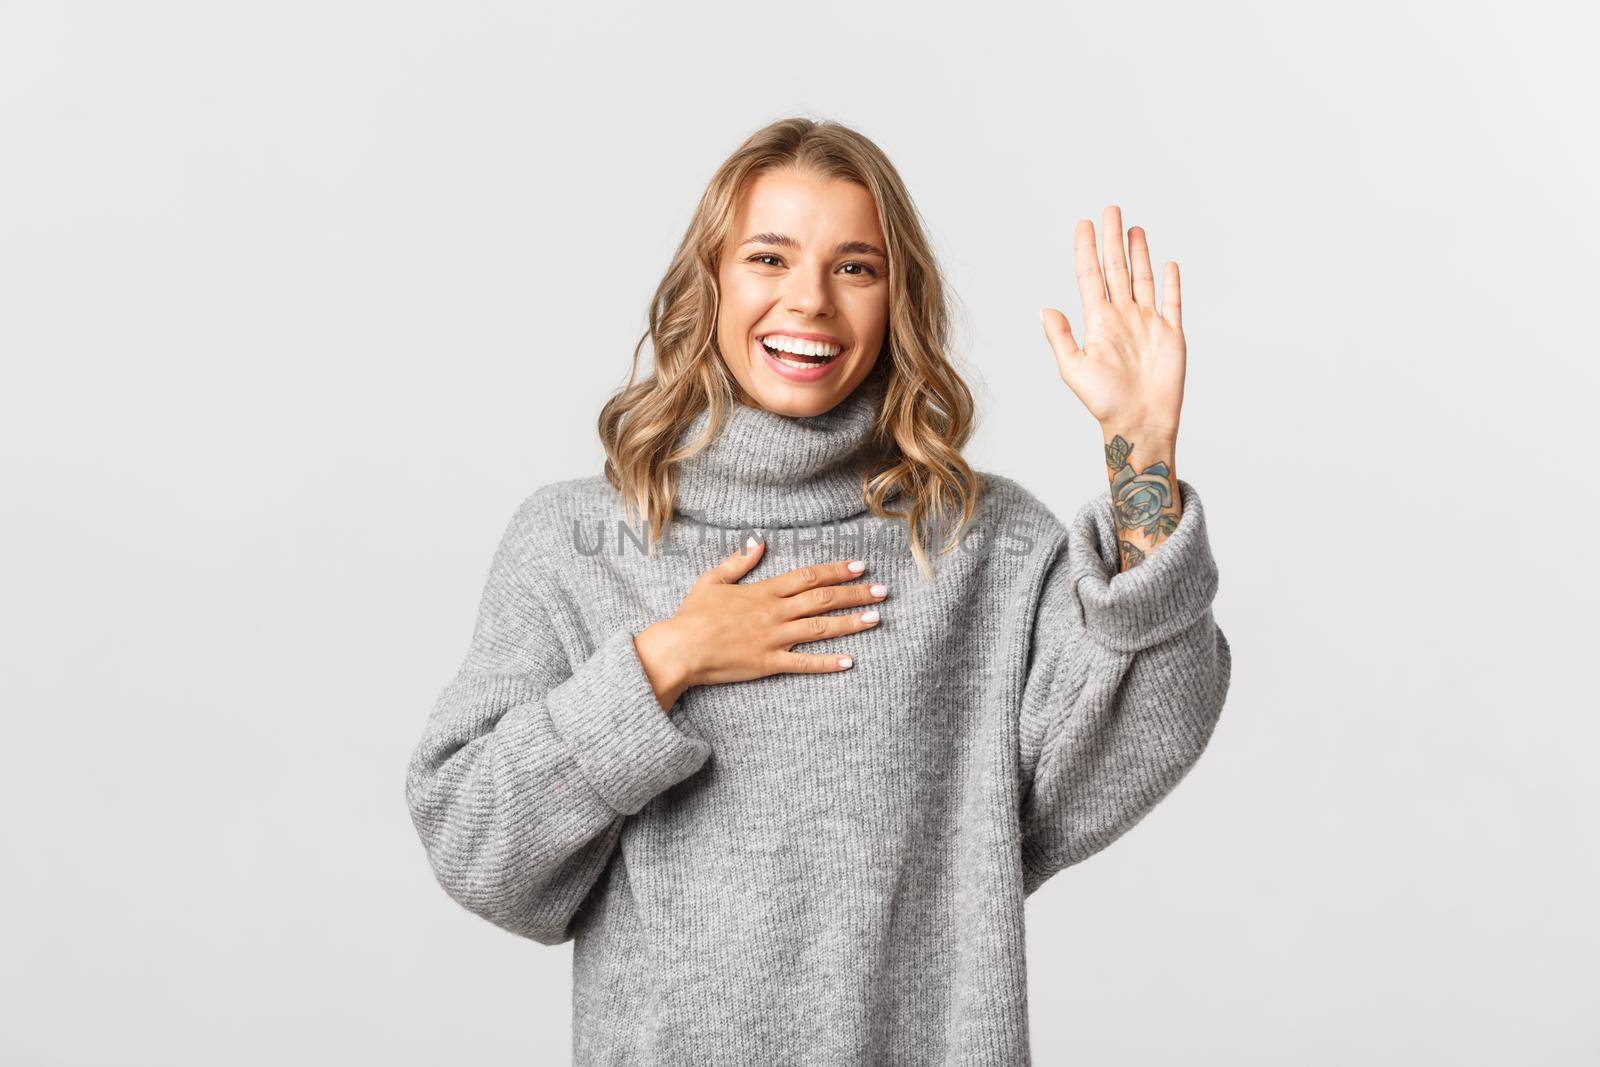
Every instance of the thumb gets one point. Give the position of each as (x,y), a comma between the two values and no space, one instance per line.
(1058,331)
(739,562)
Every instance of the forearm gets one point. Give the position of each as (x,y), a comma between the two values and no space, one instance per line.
(1145,502)
(1134,726)
(520,780)
(1129,674)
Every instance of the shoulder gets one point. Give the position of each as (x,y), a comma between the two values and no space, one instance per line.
(1012,532)
(1004,500)
(541,528)
(1011,499)
(558,502)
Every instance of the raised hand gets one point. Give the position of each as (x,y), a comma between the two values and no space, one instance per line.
(1129,373)
(724,631)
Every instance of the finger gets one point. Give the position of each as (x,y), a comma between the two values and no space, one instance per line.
(1171,295)
(802,663)
(1058,331)
(829,598)
(738,563)
(1091,283)
(802,578)
(1117,287)
(815,629)
(1144,280)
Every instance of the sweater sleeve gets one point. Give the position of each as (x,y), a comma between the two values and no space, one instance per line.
(1126,680)
(529,762)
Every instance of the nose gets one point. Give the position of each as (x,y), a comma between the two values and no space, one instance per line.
(808,293)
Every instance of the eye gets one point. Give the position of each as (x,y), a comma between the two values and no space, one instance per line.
(871,271)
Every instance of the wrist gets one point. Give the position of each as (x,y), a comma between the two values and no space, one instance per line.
(1145,438)
(664,662)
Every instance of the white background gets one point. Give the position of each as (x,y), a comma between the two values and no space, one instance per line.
(299,301)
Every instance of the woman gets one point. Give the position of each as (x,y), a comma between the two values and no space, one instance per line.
(788,793)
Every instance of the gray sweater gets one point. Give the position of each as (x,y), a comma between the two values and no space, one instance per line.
(809,868)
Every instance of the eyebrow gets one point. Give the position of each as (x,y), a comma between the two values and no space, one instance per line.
(860,248)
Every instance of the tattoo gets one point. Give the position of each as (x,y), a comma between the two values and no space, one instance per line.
(1143,502)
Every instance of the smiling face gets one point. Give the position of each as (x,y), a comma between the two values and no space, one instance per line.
(804,292)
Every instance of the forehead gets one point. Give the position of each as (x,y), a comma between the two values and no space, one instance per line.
(807,207)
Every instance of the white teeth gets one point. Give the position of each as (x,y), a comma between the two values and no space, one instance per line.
(800,348)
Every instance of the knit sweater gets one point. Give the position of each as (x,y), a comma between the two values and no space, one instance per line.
(809,868)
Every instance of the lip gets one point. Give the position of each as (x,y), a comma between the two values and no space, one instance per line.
(795,374)
(803,335)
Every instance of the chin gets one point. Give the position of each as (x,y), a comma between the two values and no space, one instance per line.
(802,399)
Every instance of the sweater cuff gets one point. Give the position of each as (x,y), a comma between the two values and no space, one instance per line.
(1164,595)
(608,715)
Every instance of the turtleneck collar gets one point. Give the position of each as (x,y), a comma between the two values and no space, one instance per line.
(765,470)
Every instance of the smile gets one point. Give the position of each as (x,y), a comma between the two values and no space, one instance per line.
(797,359)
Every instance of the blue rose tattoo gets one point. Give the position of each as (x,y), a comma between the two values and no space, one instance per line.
(1140,500)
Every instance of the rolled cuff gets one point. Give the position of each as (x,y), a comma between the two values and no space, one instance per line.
(627,746)
(1164,595)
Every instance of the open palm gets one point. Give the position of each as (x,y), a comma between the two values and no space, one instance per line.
(1129,371)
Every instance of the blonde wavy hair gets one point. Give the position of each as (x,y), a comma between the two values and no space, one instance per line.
(927,414)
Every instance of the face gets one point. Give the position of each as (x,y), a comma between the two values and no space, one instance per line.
(805,270)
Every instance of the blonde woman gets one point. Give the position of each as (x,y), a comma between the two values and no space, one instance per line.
(782,718)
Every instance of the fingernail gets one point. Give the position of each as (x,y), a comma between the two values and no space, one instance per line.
(844,661)
(1041,314)
(879,590)
(869,616)
(751,542)
(856,566)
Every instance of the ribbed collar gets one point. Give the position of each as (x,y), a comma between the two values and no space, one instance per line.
(780,471)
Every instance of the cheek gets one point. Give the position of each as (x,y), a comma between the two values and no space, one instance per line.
(741,304)
(870,312)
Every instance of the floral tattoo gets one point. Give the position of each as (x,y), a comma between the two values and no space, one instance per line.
(1140,501)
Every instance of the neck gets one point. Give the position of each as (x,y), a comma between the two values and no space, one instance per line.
(765,470)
